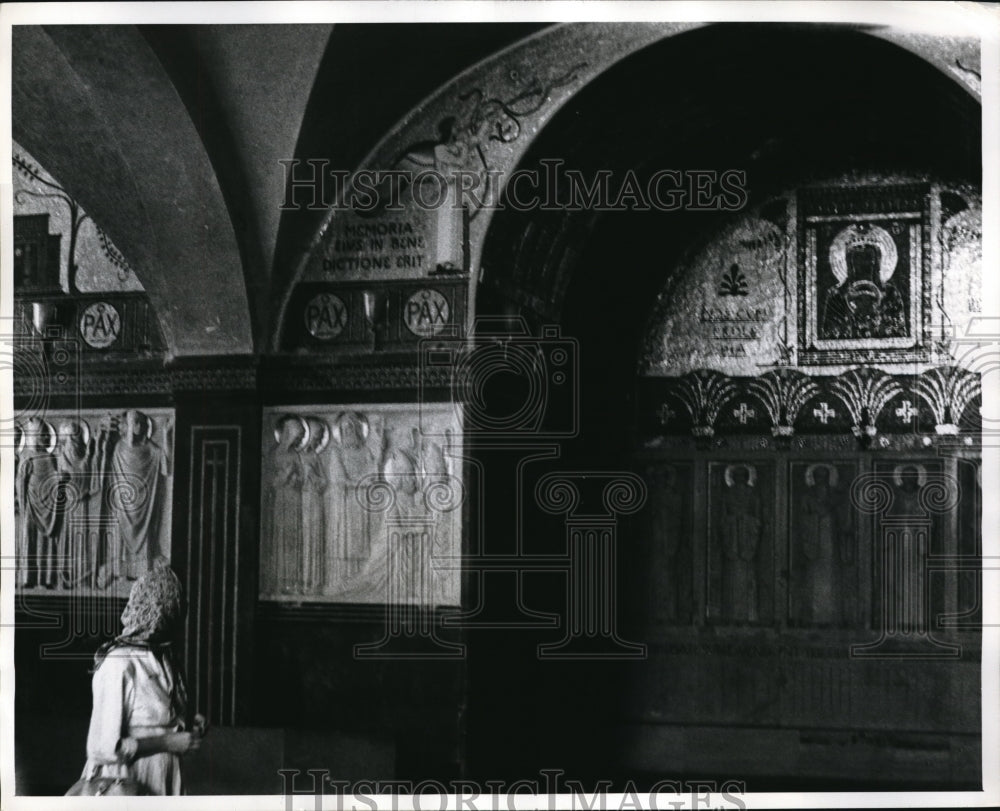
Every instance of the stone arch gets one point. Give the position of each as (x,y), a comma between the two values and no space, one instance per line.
(124,145)
(524,86)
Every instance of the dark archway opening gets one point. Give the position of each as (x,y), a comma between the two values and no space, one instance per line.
(786,104)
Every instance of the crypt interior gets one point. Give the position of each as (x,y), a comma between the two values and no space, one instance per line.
(471,492)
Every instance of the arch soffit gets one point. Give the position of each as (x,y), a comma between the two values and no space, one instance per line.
(553,66)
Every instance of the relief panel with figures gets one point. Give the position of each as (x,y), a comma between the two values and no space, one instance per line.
(93,495)
(361,504)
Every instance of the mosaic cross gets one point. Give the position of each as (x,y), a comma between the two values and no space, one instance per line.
(824,412)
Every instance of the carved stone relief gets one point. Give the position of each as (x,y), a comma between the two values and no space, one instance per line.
(361,504)
(93,498)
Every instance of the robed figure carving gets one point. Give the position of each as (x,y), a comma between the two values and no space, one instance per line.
(281,564)
(139,472)
(356,504)
(740,526)
(438,489)
(825,533)
(80,460)
(314,485)
(38,498)
(409,526)
(352,462)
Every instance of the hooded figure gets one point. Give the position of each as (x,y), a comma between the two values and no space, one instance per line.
(139,727)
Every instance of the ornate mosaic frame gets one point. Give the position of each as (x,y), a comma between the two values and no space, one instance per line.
(895,222)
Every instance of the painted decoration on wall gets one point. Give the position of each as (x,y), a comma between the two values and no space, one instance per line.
(362,504)
(740,551)
(823,278)
(83,256)
(863,276)
(824,564)
(726,310)
(93,496)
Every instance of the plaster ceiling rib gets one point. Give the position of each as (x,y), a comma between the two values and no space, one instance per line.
(246,88)
(96,108)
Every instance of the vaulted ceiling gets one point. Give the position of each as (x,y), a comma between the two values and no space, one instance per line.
(173,137)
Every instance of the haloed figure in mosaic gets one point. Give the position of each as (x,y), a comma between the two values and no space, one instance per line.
(827,548)
(740,528)
(139,727)
(865,303)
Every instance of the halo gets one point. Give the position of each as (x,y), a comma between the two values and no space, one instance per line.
(82,427)
(52,436)
(18,428)
(897,474)
(871,235)
(751,474)
(305,432)
(149,424)
(281,421)
(365,427)
(811,470)
(324,441)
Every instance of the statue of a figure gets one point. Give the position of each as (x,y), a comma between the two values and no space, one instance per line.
(37,493)
(826,545)
(314,484)
(740,526)
(670,586)
(351,462)
(80,466)
(139,467)
(281,563)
